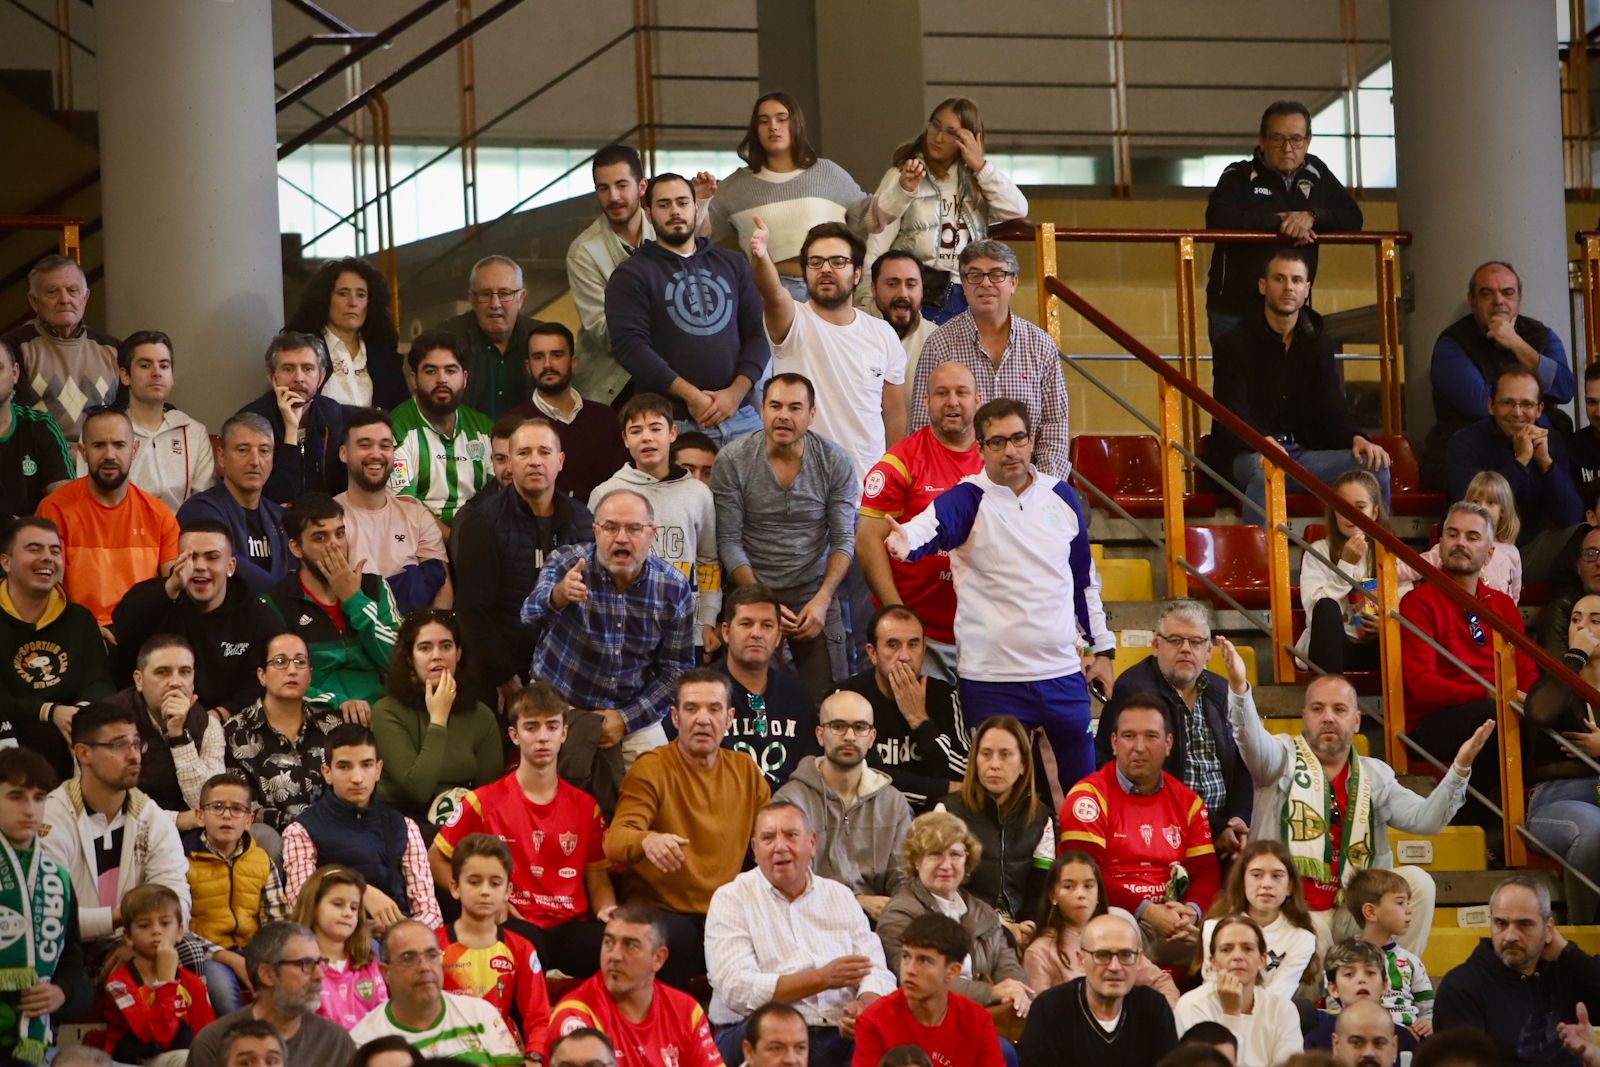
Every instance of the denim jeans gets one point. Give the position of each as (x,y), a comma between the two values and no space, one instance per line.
(796,286)
(223,986)
(1324,464)
(743,421)
(1565,816)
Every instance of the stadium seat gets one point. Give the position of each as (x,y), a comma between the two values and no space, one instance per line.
(1234,557)
(1406,495)
(1131,655)
(1126,579)
(1127,468)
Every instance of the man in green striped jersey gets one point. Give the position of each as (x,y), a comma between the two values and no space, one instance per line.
(441,454)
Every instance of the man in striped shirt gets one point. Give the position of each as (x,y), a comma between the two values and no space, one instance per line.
(441,454)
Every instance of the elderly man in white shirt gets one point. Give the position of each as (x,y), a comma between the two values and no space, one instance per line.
(780,932)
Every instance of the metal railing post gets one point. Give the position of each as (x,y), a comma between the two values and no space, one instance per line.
(1283,666)
(1589,257)
(1388,268)
(1188,350)
(1044,264)
(1391,668)
(70,241)
(1508,735)
(467,109)
(1172,468)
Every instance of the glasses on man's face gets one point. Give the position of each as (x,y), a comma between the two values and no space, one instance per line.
(1293,140)
(284,662)
(1179,640)
(218,807)
(611,529)
(841,727)
(416,956)
(1102,957)
(489,296)
(836,262)
(122,745)
(308,965)
(999,441)
(997,276)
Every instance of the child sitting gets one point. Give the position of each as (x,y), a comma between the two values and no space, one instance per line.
(235,887)
(330,907)
(1356,970)
(1380,903)
(484,959)
(153,1007)
(1263,884)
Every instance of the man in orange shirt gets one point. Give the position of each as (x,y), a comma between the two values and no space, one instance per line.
(113,533)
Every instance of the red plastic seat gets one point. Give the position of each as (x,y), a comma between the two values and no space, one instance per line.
(1127,468)
(1234,557)
(1406,495)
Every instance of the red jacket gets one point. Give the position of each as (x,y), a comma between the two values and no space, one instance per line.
(1433,682)
(143,1021)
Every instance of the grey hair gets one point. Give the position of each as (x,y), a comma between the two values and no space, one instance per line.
(1133,924)
(267,946)
(782,804)
(1539,889)
(1472,281)
(245,420)
(49,265)
(294,341)
(1472,507)
(1187,609)
(987,249)
(489,261)
(82,1056)
(649,508)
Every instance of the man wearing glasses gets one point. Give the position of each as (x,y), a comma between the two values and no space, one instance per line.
(1010,358)
(286,969)
(1281,189)
(496,336)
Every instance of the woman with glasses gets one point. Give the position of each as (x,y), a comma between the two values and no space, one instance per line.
(999,802)
(939,852)
(435,738)
(346,303)
(1266,1024)
(940,194)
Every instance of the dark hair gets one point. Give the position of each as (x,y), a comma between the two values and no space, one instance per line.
(311,316)
(486,845)
(889,611)
(1196,1053)
(96,716)
(8,541)
(643,915)
(547,328)
(702,676)
(1369,886)
(138,339)
(1000,408)
(790,378)
(1289,252)
(9,352)
(432,341)
(308,508)
(1284,107)
(667,176)
(743,596)
(379,1045)
(155,643)
(1141,702)
(357,417)
(26,768)
(966,113)
(1591,373)
(893,253)
(1459,1046)
(1051,918)
(536,700)
(400,681)
(754,153)
(772,1009)
(103,411)
(347,735)
(937,931)
(294,341)
(1472,282)
(831,231)
(580,1034)
(1209,1032)
(642,404)
(612,154)
(249,1028)
(696,439)
(505,426)
(905,1056)
(206,526)
(1518,371)
(226,778)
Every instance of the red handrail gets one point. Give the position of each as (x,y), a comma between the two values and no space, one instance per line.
(1022,230)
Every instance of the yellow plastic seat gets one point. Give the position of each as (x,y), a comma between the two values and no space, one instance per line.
(1455,848)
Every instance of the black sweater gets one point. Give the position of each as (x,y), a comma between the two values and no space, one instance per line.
(1519,1011)
(1060,1029)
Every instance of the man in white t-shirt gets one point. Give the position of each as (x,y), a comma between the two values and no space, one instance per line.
(854,361)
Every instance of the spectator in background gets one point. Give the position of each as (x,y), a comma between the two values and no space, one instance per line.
(1204,755)
(34,458)
(776,1036)
(1010,358)
(56,656)
(1276,371)
(494,333)
(582,1046)
(238,502)
(1264,884)
(905,481)
(113,534)
(442,453)
(774,717)
(1550,629)
(1504,569)
(1281,189)
(1531,459)
(591,437)
(67,368)
(695,453)
(939,195)
(347,304)
(1364,1036)
(685,319)
(307,427)
(592,258)
(786,500)
(897,299)
(1266,1024)
(396,537)
(183,744)
(174,460)
(1584,445)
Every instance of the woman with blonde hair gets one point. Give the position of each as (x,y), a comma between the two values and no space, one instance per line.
(1504,569)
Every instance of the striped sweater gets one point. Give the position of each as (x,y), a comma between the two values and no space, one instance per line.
(789,204)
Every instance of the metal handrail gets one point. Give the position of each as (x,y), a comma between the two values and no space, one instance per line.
(1589,264)
(69,226)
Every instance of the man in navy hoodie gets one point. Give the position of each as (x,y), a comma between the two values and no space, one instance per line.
(685,319)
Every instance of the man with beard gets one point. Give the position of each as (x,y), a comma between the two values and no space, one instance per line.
(897,300)
(306,425)
(615,624)
(494,336)
(396,536)
(442,447)
(774,718)
(850,357)
(595,254)
(1364,1036)
(685,319)
(67,368)
(590,435)
(347,619)
(254,523)
(1445,705)
(113,533)
(34,458)
(1333,808)
(286,973)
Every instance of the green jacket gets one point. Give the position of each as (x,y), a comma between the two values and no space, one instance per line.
(348,665)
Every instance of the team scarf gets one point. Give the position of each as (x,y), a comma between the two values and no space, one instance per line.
(34,897)
(1305,823)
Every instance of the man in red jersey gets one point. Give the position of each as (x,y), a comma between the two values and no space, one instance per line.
(904,482)
(555,832)
(1150,834)
(648,1024)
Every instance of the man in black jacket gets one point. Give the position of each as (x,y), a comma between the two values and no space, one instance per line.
(1204,755)
(499,546)
(307,426)
(1276,371)
(1280,189)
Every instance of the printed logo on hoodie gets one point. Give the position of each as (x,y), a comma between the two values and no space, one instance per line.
(699,302)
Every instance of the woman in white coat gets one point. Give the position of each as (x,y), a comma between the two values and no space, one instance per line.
(1266,1024)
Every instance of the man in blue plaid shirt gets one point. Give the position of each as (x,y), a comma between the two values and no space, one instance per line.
(617,625)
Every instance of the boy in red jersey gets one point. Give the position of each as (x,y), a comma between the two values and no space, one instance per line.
(153,1006)
(649,1024)
(556,836)
(483,958)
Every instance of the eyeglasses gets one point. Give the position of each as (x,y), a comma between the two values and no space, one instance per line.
(997,276)
(122,745)
(1178,641)
(841,727)
(1293,140)
(937,130)
(1589,555)
(836,262)
(611,529)
(414,957)
(218,807)
(1102,957)
(489,296)
(309,965)
(998,441)
(1516,405)
(280,662)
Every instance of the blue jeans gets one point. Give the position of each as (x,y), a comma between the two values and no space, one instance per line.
(1060,705)
(1325,464)
(223,986)
(796,286)
(955,302)
(1565,816)
(743,421)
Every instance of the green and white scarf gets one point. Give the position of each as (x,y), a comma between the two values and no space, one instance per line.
(1305,820)
(34,897)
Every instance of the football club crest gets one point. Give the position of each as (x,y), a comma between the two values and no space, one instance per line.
(569,842)
(1148,833)
(1173,836)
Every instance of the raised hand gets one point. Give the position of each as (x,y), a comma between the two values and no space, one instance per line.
(912,172)
(1473,745)
(971,149)
(704,185)
(758,238)
(1238,678)
(178,577)
(571,589)
(291,405)
(343,579)
(910,691)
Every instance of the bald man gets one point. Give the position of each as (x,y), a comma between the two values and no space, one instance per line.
(860,817)
(1364,1036)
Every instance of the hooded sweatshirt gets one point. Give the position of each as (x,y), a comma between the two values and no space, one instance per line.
(173,463)
(697,318)
(857,843)
(1519,1011)
(686,530)
(61,659)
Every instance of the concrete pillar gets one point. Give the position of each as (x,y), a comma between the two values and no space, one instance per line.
(855,66)
(188,147)
(1478,137)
